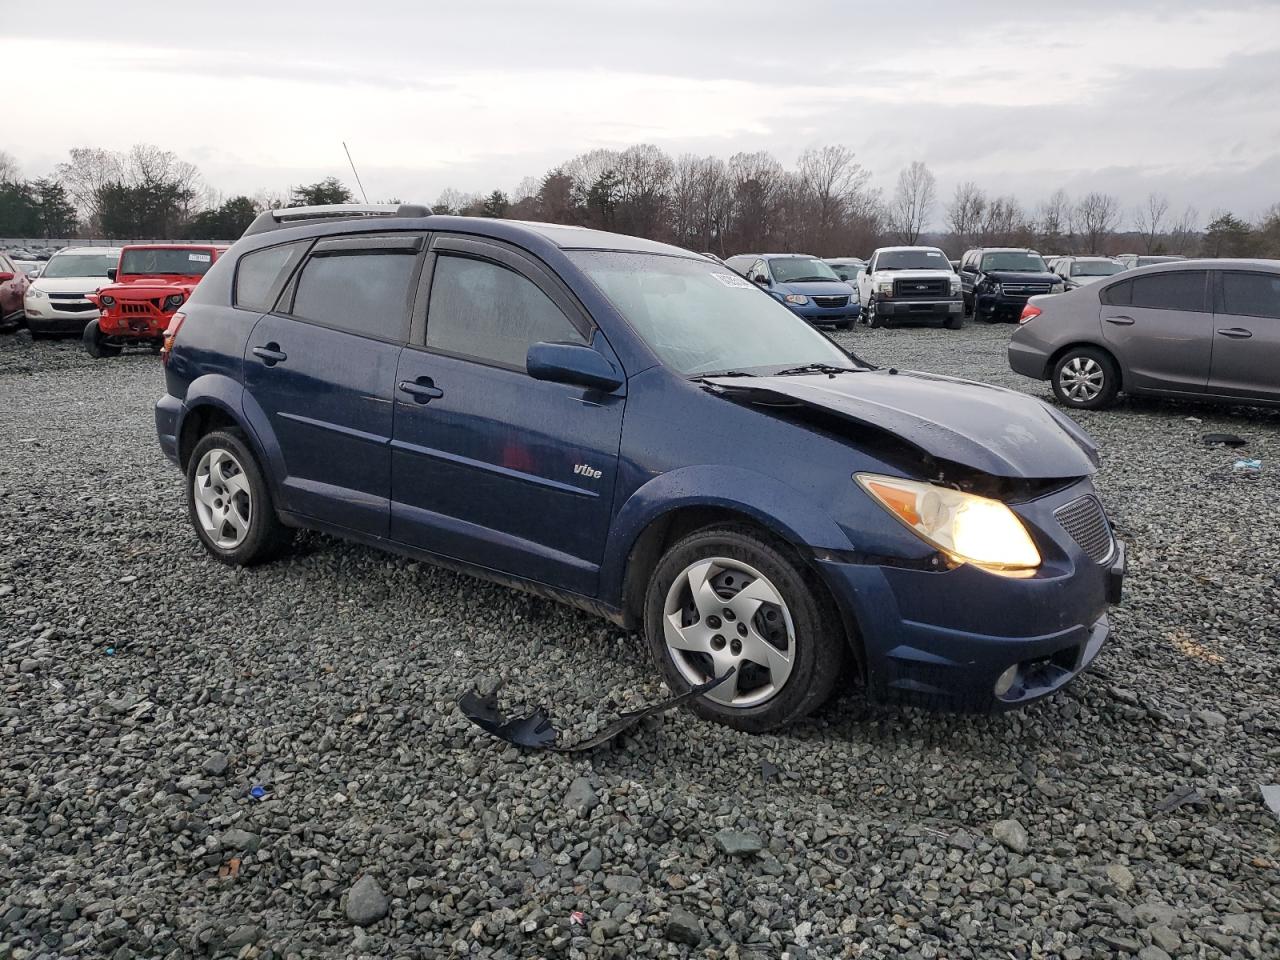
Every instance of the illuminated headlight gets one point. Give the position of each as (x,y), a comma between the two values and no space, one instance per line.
(967,528)
(173,301)
(885,288)
(799,299)
(107,301)
(1058,287)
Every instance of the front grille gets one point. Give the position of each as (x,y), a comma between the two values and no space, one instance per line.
(1086,521)
(76,306)
(145,307)
(1025,289)
(940,287)
(831,301)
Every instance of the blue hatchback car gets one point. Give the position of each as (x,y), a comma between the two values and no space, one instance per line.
(637,430)
(809,287)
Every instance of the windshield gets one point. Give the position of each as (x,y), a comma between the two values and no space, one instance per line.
(157,260)
(79,265)
(699,318)
(1013,262)
(922,259)
(1096,268)
(795,269)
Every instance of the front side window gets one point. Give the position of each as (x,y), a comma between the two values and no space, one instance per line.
(1183,290)
(257,274)
(1251,294)
(701,319)
(489,313)
(80,264)
(800,269)
(361,291)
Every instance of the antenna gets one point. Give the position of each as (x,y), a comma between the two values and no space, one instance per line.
(356,172)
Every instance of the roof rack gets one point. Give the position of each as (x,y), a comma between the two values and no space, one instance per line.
(291,216)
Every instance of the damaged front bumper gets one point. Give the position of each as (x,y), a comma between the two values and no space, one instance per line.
(969,640)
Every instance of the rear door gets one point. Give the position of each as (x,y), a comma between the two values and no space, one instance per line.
(490,466)
(1246,342)
(1160,327)
(322,368)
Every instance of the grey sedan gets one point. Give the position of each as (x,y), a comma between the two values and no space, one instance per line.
(1198,329)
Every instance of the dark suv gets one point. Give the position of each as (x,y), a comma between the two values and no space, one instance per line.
(998,281)
(639,431)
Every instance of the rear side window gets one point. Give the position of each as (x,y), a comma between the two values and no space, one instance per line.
(1183,290)
(257,274)
(1251,294)
(1118,294)
(489,313)
(360,291)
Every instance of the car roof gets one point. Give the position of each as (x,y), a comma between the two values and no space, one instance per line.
(916,247)
(87,250)
(844,260)
(176,246)
(1005,250)
(1204,263)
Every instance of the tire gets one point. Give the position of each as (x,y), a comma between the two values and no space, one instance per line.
(96,343)
(229,504)
(1086,378)
(804,623)
(954,323)
(970,305)
(873,314)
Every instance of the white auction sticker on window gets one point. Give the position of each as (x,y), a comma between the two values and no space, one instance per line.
(198,257)
(732,280)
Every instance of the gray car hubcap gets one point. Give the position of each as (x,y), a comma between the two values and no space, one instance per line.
(223,501)
(722,613)
(1082,378)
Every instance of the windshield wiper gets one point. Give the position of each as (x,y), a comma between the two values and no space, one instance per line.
(721,373)
(827,368)
(810,280)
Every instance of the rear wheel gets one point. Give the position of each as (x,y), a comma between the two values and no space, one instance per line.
(1086,378)
(96,343)
(229,504)
(728,597)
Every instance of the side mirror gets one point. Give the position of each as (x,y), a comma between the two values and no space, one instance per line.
(968,268)
(761,280)
(572,363)
(111,274)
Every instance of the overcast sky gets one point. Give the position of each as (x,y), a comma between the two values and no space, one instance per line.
(1171,95)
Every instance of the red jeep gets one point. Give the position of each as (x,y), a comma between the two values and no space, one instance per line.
(151,282)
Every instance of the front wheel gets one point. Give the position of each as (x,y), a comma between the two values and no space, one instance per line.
(1086,378)
(96,343)
(229,504)
(727,597)
(873,313)
(954,323)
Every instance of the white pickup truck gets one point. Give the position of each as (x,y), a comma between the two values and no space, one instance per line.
(911,284)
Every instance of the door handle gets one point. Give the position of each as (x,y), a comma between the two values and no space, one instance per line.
(271,354)
(1121,321)
(1236,333)
(423,390)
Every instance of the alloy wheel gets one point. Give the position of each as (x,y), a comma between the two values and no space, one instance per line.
(1082,379)
(223,499)
(721,613)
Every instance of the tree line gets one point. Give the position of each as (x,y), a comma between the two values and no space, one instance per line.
(824,205)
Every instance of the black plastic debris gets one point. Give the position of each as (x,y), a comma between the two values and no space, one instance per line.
(1180,797)
(1225,439)
(533,727)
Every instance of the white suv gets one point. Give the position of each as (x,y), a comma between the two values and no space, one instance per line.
(55,302)
(912,284)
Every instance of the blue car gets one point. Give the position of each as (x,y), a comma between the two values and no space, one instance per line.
(641,432)
(809,287)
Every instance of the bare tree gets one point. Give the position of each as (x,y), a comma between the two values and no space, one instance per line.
(756,181)
(964,213)
(1149,218)
(526,189)
(9,172)
(913,202)
(1096,218)
(1054,223)
(1184,235)
(644,178)
(831,179)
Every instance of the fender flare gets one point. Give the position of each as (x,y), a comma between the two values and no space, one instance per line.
(781,509)
(229,396)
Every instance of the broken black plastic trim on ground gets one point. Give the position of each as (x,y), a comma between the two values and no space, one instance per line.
(533,728)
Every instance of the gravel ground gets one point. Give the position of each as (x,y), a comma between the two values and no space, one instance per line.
(149,690)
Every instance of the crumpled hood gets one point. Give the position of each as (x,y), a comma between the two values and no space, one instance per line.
(999,432)
(80,285)
(1013,276)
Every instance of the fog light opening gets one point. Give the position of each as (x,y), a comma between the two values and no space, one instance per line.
(1006,680)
